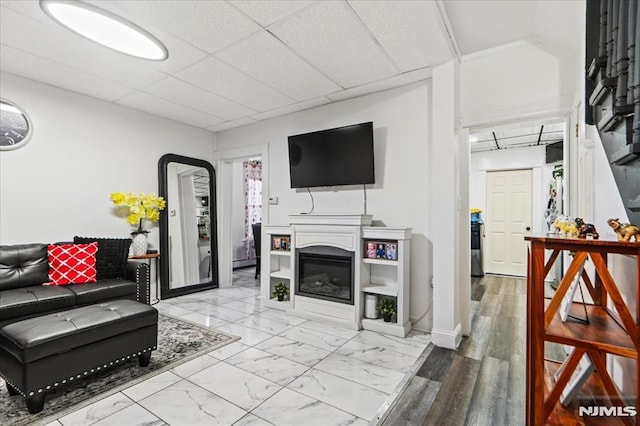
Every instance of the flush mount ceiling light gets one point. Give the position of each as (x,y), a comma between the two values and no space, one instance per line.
(105,28)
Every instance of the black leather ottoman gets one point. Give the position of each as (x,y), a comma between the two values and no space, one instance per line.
(42,353)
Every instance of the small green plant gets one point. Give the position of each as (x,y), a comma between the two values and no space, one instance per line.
(280,290)
(387,307)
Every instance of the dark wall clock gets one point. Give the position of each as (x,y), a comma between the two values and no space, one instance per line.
(15,126)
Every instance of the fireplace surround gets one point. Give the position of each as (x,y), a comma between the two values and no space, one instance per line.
(332,249)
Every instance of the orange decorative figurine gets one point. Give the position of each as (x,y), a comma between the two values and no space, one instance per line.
(624,231)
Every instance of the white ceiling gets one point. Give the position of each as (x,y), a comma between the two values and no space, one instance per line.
(235,62)
(516,136)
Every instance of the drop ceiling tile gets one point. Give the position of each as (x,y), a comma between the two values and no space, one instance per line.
(217,77)
(266,12)
(300,106)
(331,37)
(386,84)
(30,66)
(30,8)
(181,54)
(50,40)
(409,31)
(268,60)
(210,25)
(196,98)
(231,124)
(158,106)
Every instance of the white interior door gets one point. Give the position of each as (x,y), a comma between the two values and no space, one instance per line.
(507,221)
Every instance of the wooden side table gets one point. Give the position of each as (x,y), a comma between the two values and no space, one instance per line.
(609,331)
(147,258)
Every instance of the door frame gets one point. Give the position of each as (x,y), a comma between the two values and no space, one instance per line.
(224,161)
(537,180)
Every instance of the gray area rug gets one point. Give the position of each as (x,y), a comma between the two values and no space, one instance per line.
(178,342)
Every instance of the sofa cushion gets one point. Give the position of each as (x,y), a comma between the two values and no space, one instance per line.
(27,301)
(72,263)
(103,290)
(23,265)
(113,254)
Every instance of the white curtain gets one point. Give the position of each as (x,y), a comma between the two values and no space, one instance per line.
(252,176)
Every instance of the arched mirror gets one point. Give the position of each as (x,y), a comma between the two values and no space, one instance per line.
(188,243)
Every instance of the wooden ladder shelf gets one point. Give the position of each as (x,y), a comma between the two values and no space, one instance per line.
(611,329)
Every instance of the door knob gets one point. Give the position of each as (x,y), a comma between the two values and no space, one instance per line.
(528,228)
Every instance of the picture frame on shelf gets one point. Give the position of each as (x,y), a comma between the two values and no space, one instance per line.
(285,243)
(565,305)
(578,378)
(391,251)
(370,250)
(381,252)
(276,243)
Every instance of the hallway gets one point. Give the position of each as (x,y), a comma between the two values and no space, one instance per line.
(483,383)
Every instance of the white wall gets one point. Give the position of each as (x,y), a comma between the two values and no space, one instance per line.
(399,197)
(451,274)
(513,159)
(82,149)
(237,219)
(516,81)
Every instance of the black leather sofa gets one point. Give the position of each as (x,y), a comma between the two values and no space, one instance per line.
(24,268)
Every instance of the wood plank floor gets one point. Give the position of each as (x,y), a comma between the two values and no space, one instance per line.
(483,382)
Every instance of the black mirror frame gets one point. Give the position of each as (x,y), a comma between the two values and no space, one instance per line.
(166,292)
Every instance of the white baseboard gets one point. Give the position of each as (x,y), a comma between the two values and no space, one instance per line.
(243,263)
(447,339)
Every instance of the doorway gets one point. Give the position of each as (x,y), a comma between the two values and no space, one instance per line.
(246,210)
(499,155)
(508,220)
(225,166)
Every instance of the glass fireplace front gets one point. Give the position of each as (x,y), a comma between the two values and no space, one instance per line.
(325,273)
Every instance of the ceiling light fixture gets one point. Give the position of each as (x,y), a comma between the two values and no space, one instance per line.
(473,139)
(105,28)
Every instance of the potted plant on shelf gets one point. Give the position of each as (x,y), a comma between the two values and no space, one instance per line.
(386,308)
(280,290)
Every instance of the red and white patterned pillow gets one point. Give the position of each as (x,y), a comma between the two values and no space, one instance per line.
(72,263)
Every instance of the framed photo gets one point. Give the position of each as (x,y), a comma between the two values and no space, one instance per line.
(578,378)
(565,305)
(277,242)
(285,243)
(392,251)
(371,250)
(381,252)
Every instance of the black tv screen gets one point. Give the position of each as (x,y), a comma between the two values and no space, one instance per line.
(554,152)
(340,156)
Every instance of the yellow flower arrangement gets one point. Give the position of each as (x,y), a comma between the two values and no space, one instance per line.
(476,210)
(141,206)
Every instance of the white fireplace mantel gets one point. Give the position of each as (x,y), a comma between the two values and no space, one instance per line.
(320,219)
(384,277)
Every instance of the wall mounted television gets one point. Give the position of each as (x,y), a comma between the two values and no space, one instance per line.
(332,157)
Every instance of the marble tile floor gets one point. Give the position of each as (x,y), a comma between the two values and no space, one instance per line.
(285,370)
